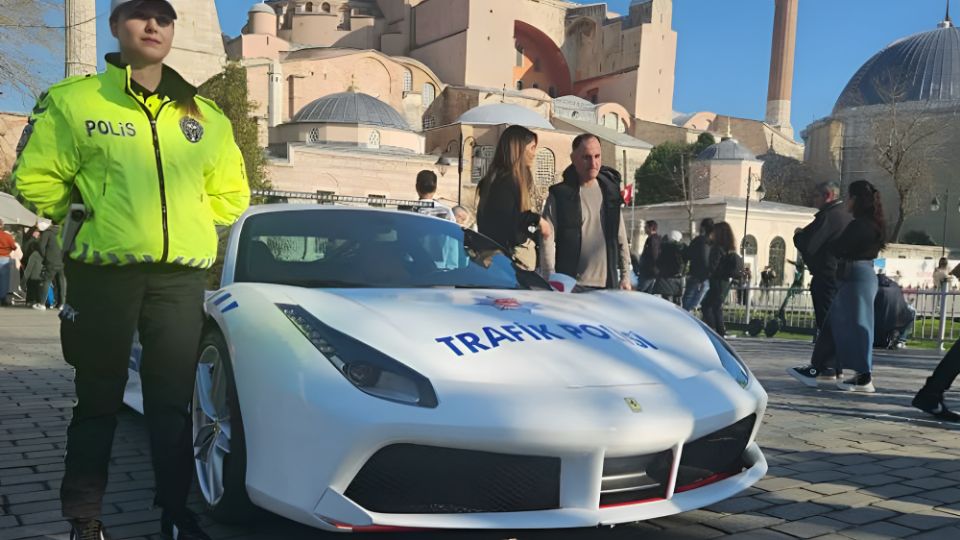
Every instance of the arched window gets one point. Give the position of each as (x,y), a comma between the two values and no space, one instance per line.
(344,18)
(309,7)
(374,140)
(545,175)
(778,255)
(519,85)
(749,245)
(429,94)
(481,162)
(325,7)
(407,80)
(611,121)
(314,136)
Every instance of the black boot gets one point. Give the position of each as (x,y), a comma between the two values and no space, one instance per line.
(89,529)
(181,526)
(932,403)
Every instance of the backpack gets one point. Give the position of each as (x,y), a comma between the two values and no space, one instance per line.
(730,267)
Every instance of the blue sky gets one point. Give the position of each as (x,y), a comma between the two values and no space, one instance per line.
(724,48)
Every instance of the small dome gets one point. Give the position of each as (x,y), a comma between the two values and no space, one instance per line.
(352,108)
(261,8)
(504,113)
(727,149)
(926,67)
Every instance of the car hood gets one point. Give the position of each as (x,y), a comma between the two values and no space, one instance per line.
(602,338)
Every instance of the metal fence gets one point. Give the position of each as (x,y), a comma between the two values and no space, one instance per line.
(937,311)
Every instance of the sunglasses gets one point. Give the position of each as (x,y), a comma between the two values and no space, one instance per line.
(163,21)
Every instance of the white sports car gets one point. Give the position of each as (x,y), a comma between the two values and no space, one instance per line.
(365,369)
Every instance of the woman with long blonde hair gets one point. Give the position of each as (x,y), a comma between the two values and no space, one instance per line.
(505,209)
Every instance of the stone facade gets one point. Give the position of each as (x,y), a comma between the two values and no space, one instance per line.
(198,51)
(11,127)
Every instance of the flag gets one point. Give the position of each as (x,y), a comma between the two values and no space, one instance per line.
(627,194)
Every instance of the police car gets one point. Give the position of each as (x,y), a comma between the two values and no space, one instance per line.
(367,369)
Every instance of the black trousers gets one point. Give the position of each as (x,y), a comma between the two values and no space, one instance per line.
(822,291)
(945,373)
(105,305)
(712,305)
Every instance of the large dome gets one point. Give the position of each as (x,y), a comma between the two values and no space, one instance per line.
(922,67)
(352,108)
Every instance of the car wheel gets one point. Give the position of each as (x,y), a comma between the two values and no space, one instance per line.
(218,439)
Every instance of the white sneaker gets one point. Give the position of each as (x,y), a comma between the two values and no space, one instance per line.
(39,307)
(860,382)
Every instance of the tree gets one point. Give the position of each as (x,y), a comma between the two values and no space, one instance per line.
(906,145)
(665,175)
(229,91)
(786,180)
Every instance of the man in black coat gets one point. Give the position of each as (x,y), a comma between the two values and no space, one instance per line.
(698,276)
(647,272)
(812,242)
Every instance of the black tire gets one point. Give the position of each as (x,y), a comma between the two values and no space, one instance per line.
(234,507)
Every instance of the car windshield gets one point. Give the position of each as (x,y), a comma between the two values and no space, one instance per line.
(368,248)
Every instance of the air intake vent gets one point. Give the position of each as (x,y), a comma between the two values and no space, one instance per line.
(633,479)
(717,456)
(413,479)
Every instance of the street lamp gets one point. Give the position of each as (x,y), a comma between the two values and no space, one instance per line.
(746,214)
(935,207)
(445,162)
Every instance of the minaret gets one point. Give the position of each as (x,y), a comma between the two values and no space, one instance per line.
(780,90)
(947,21)
(80,20)
(198,51)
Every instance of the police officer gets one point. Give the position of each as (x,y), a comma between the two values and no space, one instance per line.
(156,168)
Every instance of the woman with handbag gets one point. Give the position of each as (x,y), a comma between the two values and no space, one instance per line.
(725,265)
(505,209)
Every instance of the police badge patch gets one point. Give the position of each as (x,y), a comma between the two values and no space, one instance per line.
(25,137)
(192,129)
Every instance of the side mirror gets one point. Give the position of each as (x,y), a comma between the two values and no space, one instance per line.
(562,283)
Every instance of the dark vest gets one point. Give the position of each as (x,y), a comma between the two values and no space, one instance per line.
(566,196)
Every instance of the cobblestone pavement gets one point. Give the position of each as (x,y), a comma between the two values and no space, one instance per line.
(841,465)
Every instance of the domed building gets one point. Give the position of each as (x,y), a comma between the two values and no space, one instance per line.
(918,77)
(350,143)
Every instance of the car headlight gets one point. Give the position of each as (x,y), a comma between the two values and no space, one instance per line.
(728,357)
(370,370)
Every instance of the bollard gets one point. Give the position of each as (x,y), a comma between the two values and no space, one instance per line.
(943,315)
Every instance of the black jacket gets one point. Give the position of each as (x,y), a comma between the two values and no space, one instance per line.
(670,262)
(812,240)
(649,256)
(566,197)
(698,253)
(499,216)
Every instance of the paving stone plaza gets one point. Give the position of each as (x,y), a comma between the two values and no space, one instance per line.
(841,465)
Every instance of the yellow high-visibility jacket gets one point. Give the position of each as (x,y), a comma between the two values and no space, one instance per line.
(154,179)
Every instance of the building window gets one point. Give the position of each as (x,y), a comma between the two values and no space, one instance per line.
(429,122)
(314,136)
(519,56)
(429,94)
(325,7)
(407,80)
(309,8)
(611,120)
(519,85)
(545,172)
(749,245)
(482,158)
(552,92)
(778,254)
(377,204)
(374,140)
(344,18)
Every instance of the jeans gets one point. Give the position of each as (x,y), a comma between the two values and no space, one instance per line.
(105,305)
(694,293)
(846,340)
(7,269)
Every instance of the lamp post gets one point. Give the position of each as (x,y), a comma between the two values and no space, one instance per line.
(746,214)
(445,161)
(935,207)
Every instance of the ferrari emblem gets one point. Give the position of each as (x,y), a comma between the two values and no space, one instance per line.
(633,404)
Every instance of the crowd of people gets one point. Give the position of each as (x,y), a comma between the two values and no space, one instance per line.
(31,268)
